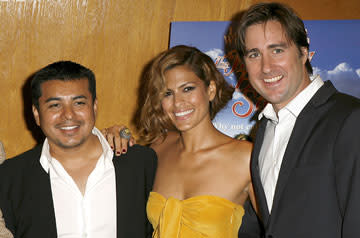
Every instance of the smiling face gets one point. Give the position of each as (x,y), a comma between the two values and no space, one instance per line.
(186,100)
(66,112)
(275,66)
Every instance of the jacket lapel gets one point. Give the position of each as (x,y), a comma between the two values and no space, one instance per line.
(42,205)
(124,187)
(303,128)
(255,172)
(47,213)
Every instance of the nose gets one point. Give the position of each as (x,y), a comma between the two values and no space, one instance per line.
(178,99)
(266,62)
(68,113)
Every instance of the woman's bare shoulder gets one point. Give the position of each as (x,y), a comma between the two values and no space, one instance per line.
(243,146)
(240,150)
(239,146)
(165,142)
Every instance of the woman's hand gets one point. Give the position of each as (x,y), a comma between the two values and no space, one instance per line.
(118,140)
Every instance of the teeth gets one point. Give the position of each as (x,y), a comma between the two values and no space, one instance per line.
(68,127)
(273,79)
(180,114)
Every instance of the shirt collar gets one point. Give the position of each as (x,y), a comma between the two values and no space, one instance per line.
(296,105)
(46,158)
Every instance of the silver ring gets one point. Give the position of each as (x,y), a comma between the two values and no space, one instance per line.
(125,133)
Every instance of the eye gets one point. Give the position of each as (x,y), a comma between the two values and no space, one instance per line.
(189,88)
(253,55)
(54,105)
(167,94)
(80,103)
(278,51)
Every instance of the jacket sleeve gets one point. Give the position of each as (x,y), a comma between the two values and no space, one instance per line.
(150,176)
(347,174)
(250,225)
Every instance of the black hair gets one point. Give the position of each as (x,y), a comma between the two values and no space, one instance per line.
(61,70)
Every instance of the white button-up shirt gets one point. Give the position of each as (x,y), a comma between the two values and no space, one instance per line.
(277,135)
(92,215)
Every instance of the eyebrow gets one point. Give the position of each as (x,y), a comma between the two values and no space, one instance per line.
(250,51)
(272,46)
(58,99)
(182,85)
(283,45)
(79,97)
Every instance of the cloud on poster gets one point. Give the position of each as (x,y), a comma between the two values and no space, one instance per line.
(344,77)
(358,72)
(214,53)
(236,95)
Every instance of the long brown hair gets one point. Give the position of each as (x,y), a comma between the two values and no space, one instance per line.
(152,122)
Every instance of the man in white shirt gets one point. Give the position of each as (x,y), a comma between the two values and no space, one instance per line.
(306,162)
(71,186)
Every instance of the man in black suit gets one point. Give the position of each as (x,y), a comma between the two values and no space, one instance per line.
(305,164)
(73,185)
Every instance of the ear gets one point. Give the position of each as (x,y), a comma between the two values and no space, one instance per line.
(36,115)
(95,107)
(305,54)
(212,90)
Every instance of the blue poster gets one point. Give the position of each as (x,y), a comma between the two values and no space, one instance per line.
(334,48)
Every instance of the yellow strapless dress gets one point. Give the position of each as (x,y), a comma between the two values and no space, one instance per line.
(200,216)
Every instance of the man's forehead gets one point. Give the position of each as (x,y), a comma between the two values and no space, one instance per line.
(271,32)
(65,87)
(65,83)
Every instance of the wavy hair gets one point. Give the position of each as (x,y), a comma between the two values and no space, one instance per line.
(152,123)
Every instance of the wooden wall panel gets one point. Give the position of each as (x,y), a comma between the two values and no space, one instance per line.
(115,38)
(324,9)
(207,10)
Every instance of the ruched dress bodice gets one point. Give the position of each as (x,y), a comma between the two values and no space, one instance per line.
(200,216)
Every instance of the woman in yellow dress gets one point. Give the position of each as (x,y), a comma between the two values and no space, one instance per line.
(203,176)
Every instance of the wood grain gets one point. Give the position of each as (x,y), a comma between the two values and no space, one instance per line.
(115,38)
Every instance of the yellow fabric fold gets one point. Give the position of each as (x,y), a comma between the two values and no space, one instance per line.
(170,218)
(200,216)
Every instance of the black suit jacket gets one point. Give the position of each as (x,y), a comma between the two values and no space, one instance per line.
(318,189)
(26,198)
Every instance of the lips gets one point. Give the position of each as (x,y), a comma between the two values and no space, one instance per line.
(183,113)
(68,128)
(273,80)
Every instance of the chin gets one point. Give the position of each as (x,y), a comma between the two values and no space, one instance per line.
(184,128)
(70,144)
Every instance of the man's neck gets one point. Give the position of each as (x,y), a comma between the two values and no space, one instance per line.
(79,161)
(80,152)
